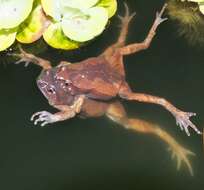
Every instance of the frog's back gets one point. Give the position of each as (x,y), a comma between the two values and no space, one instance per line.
(94,77)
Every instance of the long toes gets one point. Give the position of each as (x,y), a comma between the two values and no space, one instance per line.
(44,123)
(195,128)
(178,163)
(132,16)
(126,9)
(38,120)
(37,114)
(190,114)
(182,157)
(27,63)
(187,131)
(19,61)
(162,10)
(183,121)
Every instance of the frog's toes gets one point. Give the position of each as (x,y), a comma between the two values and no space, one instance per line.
(181,154)
(26,61)
(127,17)
(44,117)
(22,59)
(159,18)
(183,121)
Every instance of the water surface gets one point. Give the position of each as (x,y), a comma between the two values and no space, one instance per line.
(96,153)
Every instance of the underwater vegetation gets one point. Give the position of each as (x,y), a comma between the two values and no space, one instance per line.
(189,15)
(59,22)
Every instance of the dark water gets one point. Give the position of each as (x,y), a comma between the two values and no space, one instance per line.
(96,153)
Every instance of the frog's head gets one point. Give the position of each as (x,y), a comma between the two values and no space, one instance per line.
(54,89)
(46,84)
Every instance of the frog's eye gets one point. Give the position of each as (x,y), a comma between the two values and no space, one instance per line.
(66,83)
(51,90)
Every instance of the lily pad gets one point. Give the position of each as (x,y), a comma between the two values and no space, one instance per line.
(79,4)
(197,1)
(55,37)
(55,8)
(86,27)
(33,28)
(110,5)
(52,8)
(7,38)
(13,12)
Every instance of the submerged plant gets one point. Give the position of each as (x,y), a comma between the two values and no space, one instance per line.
(190,19)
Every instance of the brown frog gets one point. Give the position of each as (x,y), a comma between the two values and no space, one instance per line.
(89,88)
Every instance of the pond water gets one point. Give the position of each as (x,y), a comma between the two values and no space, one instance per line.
(97,153)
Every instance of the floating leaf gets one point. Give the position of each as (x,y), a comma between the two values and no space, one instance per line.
(52,8)
(196,1)
(7,38)
(55,37)
(33,28)
(13,12)
(87,26)
(110,5)
(79,4)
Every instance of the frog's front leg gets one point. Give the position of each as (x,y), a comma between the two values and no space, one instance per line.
(135,47)
(125,21)
(30,58)
(182,118)
(66,112)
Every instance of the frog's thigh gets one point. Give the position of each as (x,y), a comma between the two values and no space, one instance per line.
(117,113)
(93,108)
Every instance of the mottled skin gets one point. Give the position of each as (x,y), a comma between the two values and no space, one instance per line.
(88,89)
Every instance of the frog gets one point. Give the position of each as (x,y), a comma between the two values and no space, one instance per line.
(92,87)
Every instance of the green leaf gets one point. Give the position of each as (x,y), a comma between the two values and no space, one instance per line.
(7,38)
(197,1)
(79,4)
(110,5)
(52,8)
(87,26)
(34,26)
(55,37)
(57,8)
(13,12)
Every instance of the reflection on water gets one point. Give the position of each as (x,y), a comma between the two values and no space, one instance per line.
(97,153)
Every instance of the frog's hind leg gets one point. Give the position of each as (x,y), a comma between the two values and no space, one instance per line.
(125,21)
(30,58)
(182,118)
(136,47)
(117,113)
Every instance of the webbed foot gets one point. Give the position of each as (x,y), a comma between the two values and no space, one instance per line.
(183,121)
(44,117)
(181,154)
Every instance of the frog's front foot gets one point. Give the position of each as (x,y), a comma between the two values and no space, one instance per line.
(159,18)
(24,57)
(183,121)
(44,117)
(181,154)
(127,17)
